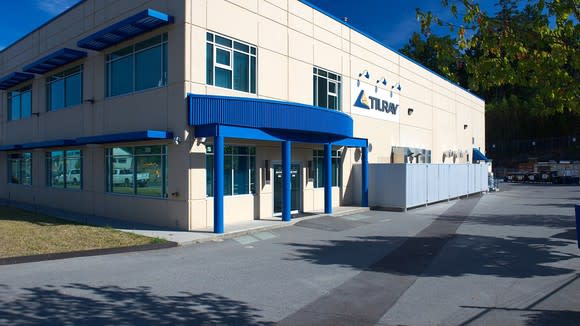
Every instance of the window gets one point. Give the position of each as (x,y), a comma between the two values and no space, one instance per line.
(327,89)
(20,103)
(239,170)
(318,157)
(20,168)
(140,170)
(230,64)
(64,169)
(65,88)
(138,67)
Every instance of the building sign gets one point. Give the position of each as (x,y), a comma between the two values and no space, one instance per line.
(374,102)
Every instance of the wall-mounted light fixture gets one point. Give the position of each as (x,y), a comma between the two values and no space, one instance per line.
(89,100)
(365,74)
(573,139)
(465,126)
(177,140)
(410,111)
(397,86)
(382,80)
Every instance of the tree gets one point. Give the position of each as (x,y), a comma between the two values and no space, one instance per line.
(438,54)
(527,50)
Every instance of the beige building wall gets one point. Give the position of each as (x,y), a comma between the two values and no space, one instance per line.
(291,39)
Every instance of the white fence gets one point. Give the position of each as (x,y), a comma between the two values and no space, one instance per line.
(402,186)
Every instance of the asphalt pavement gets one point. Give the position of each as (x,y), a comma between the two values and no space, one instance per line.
(506,258)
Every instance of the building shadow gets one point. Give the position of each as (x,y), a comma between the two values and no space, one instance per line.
(80,304)
(514,257)
(555,317)
(551,221)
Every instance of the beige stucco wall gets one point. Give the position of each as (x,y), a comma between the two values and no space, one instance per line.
(291,38)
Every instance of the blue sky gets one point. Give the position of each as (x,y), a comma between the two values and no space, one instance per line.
(391,22)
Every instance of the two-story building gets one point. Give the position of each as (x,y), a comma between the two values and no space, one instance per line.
(200,113)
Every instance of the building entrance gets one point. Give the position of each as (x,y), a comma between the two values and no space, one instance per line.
(295,182)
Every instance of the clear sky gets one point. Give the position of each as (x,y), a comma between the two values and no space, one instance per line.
(390,21)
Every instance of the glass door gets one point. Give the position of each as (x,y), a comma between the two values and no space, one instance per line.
(295,188)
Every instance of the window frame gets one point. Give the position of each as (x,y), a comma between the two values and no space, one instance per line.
(251,158)
(109,168)
(320,73)
(66,75)
(252,53)
(132,52)
(336,166)
(50,178)
(21,90)
(21,159)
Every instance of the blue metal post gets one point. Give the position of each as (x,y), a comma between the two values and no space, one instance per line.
(365,178)
(578,225)
(327,178)
(286,181)
(218,185)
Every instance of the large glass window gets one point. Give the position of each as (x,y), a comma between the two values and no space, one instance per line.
(327,89)
(20,103)
(318,157)
(239,170)
(20,168)
(230,63)
(64,169)
(140,170)
(65,88)
(138,67)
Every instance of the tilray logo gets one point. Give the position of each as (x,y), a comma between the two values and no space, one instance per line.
(376,104)
(361,101)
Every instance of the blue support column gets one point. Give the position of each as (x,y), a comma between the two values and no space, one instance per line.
(286,181)
(365,178)
(327,178)
(218,184)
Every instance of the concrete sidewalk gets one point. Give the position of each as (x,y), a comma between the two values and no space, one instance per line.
(183,238)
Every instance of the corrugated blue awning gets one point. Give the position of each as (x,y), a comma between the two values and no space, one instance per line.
(478,155)
(13,79)
(54,60)
(140,23)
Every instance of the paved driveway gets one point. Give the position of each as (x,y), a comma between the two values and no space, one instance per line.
(506,258)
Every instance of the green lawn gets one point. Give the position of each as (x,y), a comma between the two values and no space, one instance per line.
(24,233)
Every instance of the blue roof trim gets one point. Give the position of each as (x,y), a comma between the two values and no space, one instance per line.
(383,44)
(54,60)
(101,139)
(478,155)
(268,115)
(14,79)
(352,142)
(130,27)
(50,143)
(125,137)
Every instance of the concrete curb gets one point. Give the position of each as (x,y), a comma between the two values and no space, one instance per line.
(85,253)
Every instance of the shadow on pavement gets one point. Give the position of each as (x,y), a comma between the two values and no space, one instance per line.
(554,317)
(551,221)
(517,257)
(78,304)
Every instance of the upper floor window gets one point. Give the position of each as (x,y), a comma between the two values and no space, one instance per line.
(139,170)
(64,169)
(20,103)
(230,64)
(327,89)
(65,88)
(138,67)
(20,168)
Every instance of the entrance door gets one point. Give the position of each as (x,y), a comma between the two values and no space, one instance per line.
(295,188)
